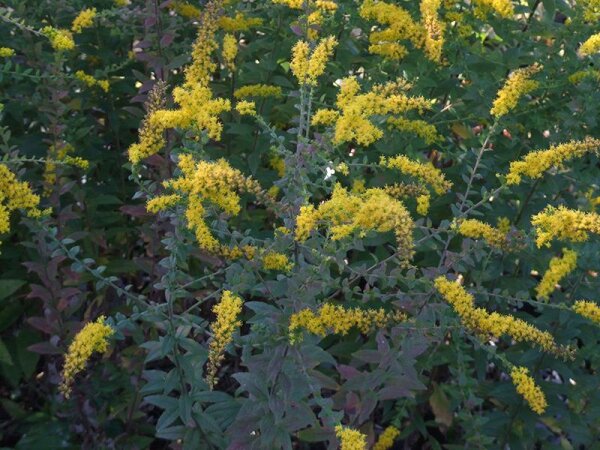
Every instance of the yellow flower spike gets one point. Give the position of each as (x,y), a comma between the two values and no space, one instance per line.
(536,163)
(425,131)
(336,319)
(15,195)
(423,203)
(308,66)
(479,321)
(387,438)
(564,224)
(224,326)
(185,9)
(240,22)
(93,337)
(516,86)
(85,19)
(475,229)
(434,29)
(590,46)
(350,439)
(527,388)
(230,50)
(587,309)
(258,90)
(162,202)
(424,172)
(559,268)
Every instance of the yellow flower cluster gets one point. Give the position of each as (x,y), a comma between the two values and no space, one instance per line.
(15,195)
(589,310)
(354,110)
(424,130)
(495,324)
(58,154)
(85,19)
(346,213)
(503,7)
(527,388)
(162,202)
(564,224)
(591,10)
(90,81)
(387,438)
(308,66)
(93,337)
(150,139)
(339,320)
(6,52)
(240,22)
(590,46)
(61,40)
(534,164)
(517,85)
(258,90)
(427,173)
(400,27)
(475,229)
(323,5)
(559,268)
(230,50)
(226,323)
(350,439)
(434,29)
(212,182)
(276,261)
(580,75)
(197,107)
(246,108)
(185,9)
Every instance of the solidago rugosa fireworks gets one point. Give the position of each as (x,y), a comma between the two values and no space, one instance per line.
(307,182)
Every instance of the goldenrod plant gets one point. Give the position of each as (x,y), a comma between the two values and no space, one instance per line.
(299,224)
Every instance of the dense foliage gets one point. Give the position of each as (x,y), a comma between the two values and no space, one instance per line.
(299,224)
